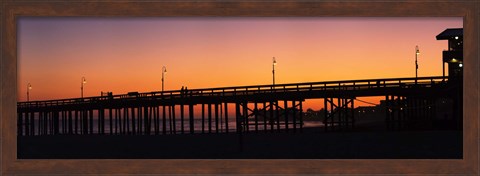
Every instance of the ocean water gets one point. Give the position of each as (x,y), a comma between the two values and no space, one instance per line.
(172,127)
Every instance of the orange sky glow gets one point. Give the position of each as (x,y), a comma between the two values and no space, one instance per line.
(122,55)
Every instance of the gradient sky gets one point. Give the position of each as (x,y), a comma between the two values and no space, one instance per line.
(122,55)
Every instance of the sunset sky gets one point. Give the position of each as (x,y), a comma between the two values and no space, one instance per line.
(122,55)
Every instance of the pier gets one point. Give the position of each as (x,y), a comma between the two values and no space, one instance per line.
(411,103)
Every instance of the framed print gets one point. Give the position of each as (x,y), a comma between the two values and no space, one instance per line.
(240,87)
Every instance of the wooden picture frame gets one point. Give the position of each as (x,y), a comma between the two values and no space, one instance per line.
(11,10)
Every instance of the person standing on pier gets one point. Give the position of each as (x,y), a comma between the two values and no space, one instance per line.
(181,92)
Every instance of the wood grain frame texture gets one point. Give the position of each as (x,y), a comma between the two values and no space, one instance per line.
(11,10)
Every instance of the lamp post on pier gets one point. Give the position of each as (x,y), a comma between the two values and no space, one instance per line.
(417,52)
(164,71)
(84,81)
(29,86)
(273,69)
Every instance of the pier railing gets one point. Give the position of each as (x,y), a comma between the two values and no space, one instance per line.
(250,90)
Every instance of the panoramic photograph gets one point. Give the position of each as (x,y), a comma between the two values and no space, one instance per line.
(240,88)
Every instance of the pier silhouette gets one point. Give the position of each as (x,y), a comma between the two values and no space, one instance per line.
(409,101)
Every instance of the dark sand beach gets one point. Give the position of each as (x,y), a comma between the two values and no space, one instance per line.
(312,143)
